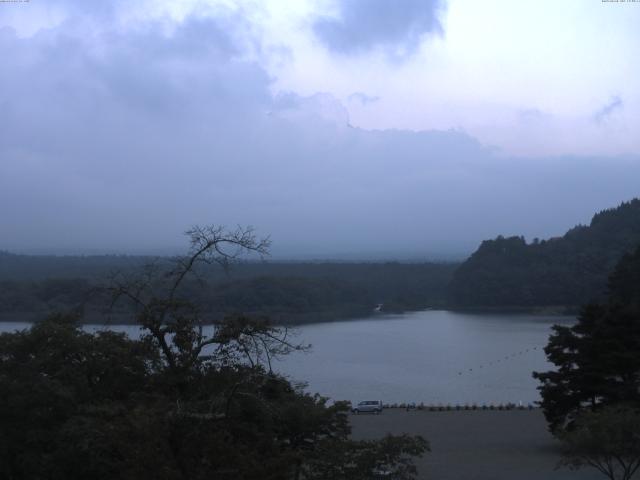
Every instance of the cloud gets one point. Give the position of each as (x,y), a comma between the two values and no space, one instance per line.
(362,98)
(365,25)
(604,113)
(531,115)
(122,139)
(320,107)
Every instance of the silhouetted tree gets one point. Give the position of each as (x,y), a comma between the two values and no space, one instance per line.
(182,402)
(598,358)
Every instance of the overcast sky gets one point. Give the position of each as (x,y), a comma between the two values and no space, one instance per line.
(366,128)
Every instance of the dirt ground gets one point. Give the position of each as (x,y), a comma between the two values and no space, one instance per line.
(476,445)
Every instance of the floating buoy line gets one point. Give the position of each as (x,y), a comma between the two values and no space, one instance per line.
(502,359)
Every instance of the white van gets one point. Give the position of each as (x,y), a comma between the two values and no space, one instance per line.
(368,406)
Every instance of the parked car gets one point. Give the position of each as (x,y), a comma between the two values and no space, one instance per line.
(368,406)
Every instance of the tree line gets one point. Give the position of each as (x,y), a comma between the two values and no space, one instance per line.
(287,292)
(564,272)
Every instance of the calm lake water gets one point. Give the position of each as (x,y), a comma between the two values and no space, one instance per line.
(431,357)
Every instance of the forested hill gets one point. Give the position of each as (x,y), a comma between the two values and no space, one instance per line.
(564,271)
(33,286)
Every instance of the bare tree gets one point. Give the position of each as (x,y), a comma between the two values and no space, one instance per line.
(176,324)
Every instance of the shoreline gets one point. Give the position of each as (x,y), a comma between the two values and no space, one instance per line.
(559,310)
(312,318)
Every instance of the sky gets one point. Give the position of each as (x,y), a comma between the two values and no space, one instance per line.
(342,129)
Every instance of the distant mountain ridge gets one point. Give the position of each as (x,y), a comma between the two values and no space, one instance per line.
(565,271)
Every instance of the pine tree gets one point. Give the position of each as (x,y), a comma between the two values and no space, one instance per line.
(597,359)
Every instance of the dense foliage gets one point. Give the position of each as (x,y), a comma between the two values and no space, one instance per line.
(76,405)
(287,292)
(597,359)
(567,271)
(177,403)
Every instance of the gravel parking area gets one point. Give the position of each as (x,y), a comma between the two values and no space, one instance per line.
(481,445)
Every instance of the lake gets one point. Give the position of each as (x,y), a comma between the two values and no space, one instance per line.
(435,357)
